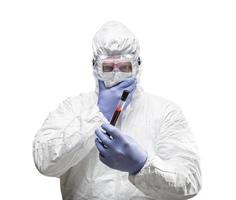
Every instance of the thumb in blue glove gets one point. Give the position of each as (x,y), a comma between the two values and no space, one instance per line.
(119,151)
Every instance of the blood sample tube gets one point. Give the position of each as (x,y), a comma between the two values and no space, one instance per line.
(119,107)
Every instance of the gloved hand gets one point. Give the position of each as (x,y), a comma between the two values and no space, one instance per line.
(119,151)
(109,97)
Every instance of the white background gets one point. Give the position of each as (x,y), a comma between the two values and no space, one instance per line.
(189,56)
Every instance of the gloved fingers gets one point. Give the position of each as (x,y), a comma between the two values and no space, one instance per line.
(104,138)
(101,85)
(112,130)
(131,93)
(131,87)
(100,147)
(126,83)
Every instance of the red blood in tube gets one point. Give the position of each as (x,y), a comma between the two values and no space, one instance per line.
(118,108)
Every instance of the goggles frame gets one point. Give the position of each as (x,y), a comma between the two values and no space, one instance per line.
(97,66)
(96,60)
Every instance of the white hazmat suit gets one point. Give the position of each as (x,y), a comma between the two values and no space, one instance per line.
(64,146)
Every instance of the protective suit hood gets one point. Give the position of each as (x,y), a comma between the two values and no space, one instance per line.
(114,39)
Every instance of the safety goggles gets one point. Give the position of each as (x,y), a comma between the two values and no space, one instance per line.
(106,67)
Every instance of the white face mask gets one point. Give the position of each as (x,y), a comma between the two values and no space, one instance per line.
(117,77)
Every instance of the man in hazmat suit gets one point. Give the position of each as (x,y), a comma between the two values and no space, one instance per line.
(149,154)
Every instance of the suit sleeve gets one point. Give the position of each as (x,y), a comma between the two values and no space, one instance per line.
(174,171)
(65,138)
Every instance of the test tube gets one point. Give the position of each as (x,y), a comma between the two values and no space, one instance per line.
(119,107)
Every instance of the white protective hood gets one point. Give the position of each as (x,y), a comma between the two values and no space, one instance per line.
(113,39)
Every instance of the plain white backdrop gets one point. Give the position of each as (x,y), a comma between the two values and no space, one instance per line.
(189,56)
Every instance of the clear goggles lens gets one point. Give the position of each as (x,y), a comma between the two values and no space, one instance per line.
(122,66)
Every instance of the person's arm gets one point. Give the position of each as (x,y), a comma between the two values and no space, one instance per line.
(65,137)
(174,171)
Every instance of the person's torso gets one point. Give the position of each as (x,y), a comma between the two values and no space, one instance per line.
(91,179)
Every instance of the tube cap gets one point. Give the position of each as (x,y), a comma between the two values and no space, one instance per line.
(124,95)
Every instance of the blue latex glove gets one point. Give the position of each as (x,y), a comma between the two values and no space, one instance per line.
(119,151)
(109,97)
